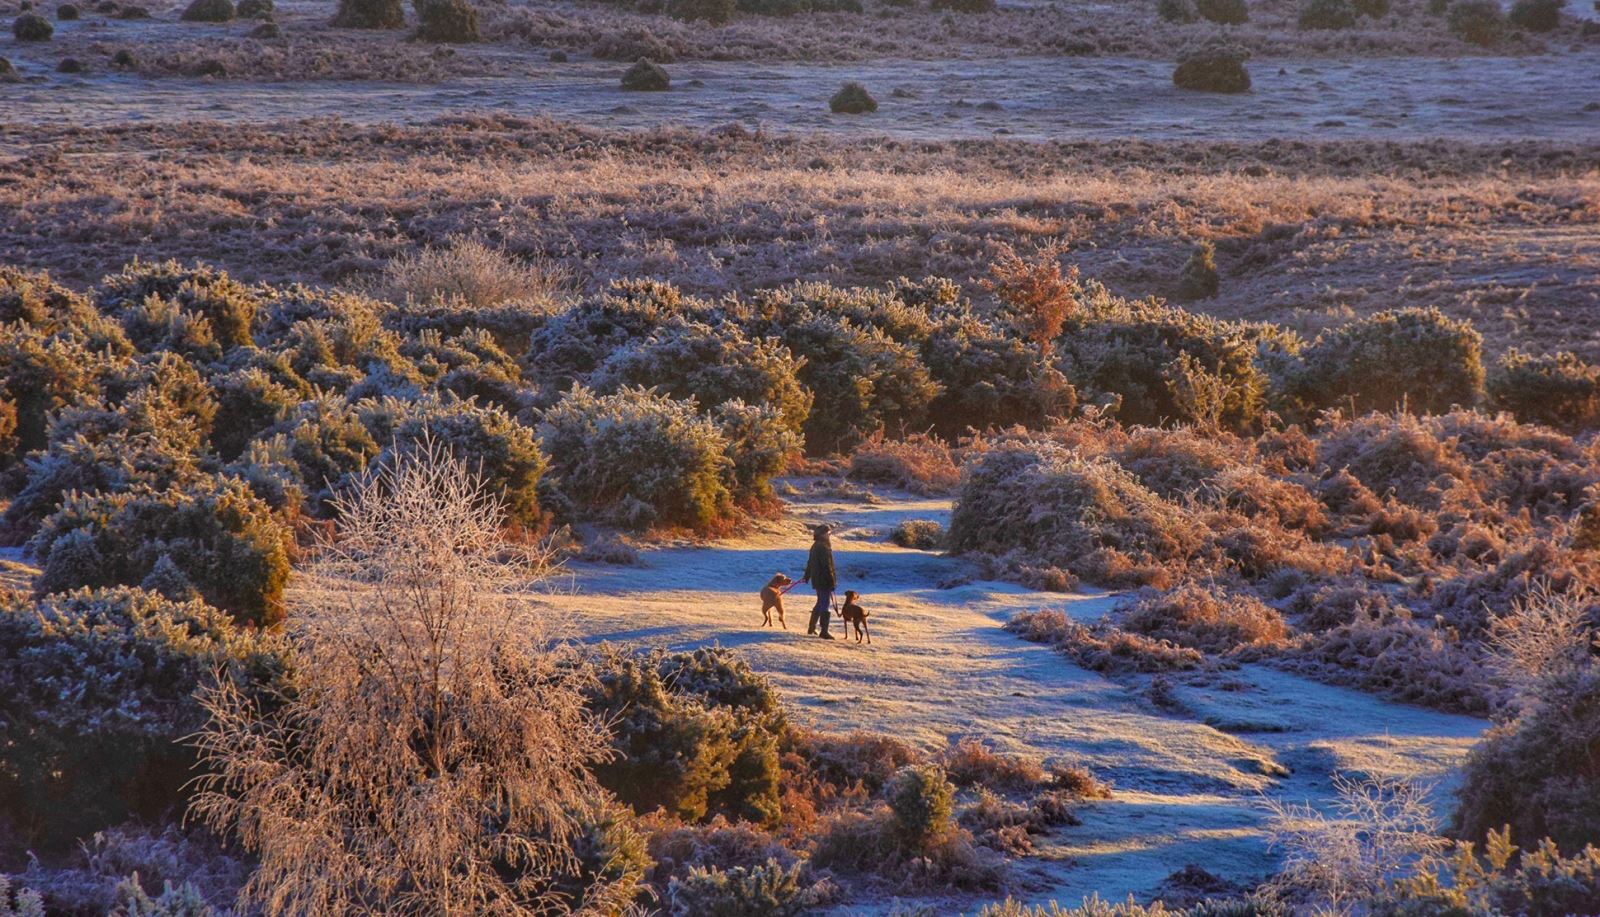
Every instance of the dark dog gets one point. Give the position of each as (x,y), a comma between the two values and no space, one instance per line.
(855,616)
(772,599)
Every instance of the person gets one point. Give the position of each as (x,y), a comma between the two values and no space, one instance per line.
(822,577)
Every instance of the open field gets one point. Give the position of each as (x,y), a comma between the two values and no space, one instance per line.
(1308,233)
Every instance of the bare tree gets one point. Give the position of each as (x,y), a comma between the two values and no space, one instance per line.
(1379,830)
(1545,635)
(436,758)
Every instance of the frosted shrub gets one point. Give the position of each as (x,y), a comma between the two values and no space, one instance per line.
(1558,390)
(1416,359)
(437,755)
(1212,620)
(571,344)
(712,364)
(862,381)
(760,891)
(223,538)
(1041,501)
(116,462)
(693,733)
(760,446)
(1102,647)
(201,294)
(473,274)
(1478,22)
(504,452)
(249,401)
(922,534)
(1379,831)
(639,459)
(989,379)
(470,364)
(920,463)
(41,373)
(319,447)
(1116,349)
(96,697)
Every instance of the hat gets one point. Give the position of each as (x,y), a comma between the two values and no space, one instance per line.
(822,529)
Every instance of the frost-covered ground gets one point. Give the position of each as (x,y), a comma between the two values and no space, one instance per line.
(1188,788)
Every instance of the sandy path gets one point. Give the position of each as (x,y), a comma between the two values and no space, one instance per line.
(942,668)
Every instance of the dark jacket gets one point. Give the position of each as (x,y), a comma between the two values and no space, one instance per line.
(819,567)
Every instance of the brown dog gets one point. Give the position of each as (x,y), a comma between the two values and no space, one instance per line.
(772,599)
(855,616)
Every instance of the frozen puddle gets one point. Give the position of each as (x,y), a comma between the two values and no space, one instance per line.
(1188,787)
(1555,97)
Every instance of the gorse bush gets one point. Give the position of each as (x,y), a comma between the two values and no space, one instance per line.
(96,698)
(639,459)
(370,14)
(445,21)
(1124,352)
(695,734)
(1327,14)
(1416,359)
(1536,15)
(760,891)
(1088,516)
(1224,12)
(1478,22)
(919,463)
(218,533)
(1558,389)
(711,364)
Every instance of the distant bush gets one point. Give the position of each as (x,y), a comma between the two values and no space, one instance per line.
(32,27)
(922,534)
(1212,620)
(1537,15)
(1044,503)
(67,12)
(852,99)
(1181,12)
(445,21)
(1559,390)
(760,891)
(1327,14)
(639,459)
(716,12)
(1478,22)
(96,696)
(1223,12)
(1372,9)
(1199,279)
(1417,359)
(919,463)
(370,14)
(254,9)
(963,6)
(208,11)
(646,76)
(1213,69)
(220,535)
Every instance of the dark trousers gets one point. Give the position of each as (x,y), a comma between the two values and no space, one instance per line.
(821,613)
